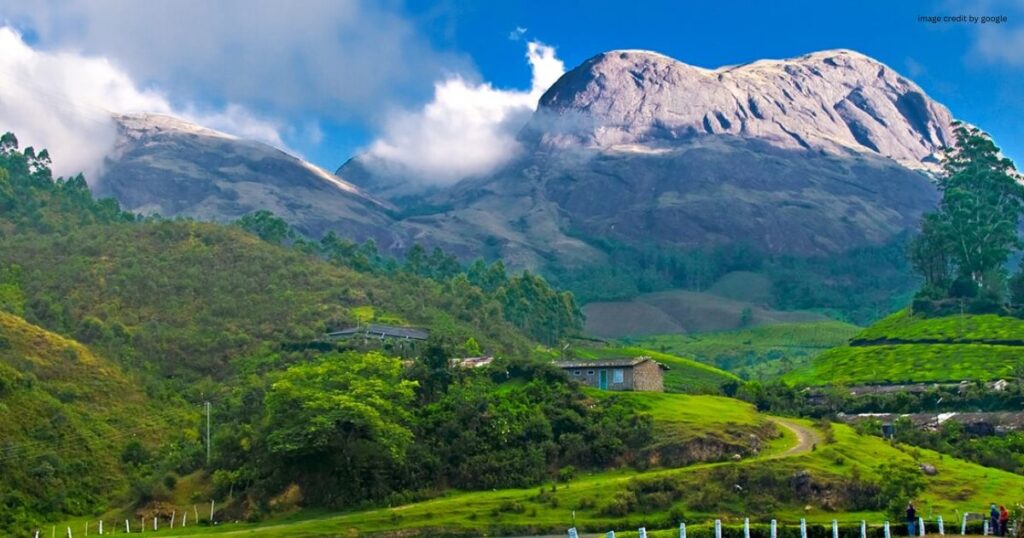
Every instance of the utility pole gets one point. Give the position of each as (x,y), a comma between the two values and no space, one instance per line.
(207,434)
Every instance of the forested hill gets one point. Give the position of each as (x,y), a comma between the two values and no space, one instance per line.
(154,317)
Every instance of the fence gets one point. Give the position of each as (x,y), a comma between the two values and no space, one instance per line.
(145,524)
(968,524)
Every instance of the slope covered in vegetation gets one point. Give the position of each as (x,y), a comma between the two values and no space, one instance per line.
(235,315)
(846,473)
(71,424)
(762,352)
(905,348)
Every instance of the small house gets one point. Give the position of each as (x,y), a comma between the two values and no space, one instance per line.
(638,373)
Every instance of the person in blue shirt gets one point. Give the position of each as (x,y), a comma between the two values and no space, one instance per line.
(911,520)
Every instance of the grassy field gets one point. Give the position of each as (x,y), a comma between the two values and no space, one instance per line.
(967,328)
(684,375)
(697,493)
(762,352)
(681,311)
(903,348)
(906,363)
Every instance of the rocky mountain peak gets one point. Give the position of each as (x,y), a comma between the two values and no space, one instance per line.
(835,100)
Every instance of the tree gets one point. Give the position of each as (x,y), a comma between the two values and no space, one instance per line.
(974,231)
(266,226)
(338,425)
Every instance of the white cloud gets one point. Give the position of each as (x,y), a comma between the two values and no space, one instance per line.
(64,100)
(466,130)
(339,59)
(517,33)
(1001,45)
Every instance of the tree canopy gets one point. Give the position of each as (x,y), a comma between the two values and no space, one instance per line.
(964,245)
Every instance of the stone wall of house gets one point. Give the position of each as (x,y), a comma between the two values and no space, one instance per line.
(648,376)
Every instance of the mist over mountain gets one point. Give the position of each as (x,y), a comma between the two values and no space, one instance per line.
(167,166)
(807,157)
(814,155)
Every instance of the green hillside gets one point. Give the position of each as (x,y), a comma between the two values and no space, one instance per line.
(841,474)
(761,352)
(683,375)
(904,348)
(971,328)
(66,419)
(186,313)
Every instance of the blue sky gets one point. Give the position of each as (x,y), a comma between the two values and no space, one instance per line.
(331,78)
(942,58)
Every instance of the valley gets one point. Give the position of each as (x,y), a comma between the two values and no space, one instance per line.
(639,294)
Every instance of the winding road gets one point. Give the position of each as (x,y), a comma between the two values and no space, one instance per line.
(806,437)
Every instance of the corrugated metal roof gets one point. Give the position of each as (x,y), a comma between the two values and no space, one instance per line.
(382,331)
(607,363)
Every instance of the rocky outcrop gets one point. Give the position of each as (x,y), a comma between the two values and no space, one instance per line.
(167,166)
(837,101)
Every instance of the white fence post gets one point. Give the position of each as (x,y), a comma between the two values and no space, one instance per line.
(920,521)
(942,527)
(101,527)
(963,524)
(682,530)
(718,528)
(835,529)
(888,531)
(746,527)
(985,527)
(573,533)
(863,529)
(642,532)
(774,529)
(803,528)
(609,534)
(127,527)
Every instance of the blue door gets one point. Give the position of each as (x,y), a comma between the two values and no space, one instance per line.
(602,379)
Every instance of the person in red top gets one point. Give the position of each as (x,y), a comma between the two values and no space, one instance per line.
(1004,520)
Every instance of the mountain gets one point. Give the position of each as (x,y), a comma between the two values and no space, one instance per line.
(809,156)
(630,158)
(165,165)
(837,101)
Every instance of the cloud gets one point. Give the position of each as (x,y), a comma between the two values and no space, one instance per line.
(338,59)
(466,130)
(517,33)
(993,43)
(1001,45)
(64,101)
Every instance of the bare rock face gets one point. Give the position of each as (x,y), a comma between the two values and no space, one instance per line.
(837,101)
(168,166)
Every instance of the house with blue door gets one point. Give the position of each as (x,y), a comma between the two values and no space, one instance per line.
(637,373)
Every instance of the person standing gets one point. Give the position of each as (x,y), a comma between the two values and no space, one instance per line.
(1004,520)
(911,520)
(993,519)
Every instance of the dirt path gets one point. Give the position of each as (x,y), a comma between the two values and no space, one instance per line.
(806,437)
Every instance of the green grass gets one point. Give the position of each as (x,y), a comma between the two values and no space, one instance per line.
(906,363)
(684,375)
(762,352)
(968,328)
(958,486)
(903,349)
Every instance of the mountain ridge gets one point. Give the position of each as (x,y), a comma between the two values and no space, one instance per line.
(832,100)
